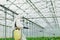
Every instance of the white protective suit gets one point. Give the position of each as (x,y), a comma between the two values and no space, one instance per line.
(18,24)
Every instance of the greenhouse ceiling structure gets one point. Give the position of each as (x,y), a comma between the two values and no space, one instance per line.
(42,17)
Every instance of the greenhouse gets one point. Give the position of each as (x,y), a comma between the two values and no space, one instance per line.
(40,18)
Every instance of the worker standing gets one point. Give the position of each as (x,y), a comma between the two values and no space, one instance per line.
(18,27)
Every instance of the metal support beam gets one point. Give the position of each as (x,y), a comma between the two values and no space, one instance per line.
(42,17)
(8,9)
(56,21)
(4,25)
(6,18)
(7,12)
(33,22)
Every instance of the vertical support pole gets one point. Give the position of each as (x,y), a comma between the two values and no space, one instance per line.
(13,30)
(5,23)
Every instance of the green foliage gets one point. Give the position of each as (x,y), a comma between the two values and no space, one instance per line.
(35,38)
(43,38)
(6,38)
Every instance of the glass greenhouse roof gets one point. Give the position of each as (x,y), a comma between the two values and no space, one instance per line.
(45,13)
